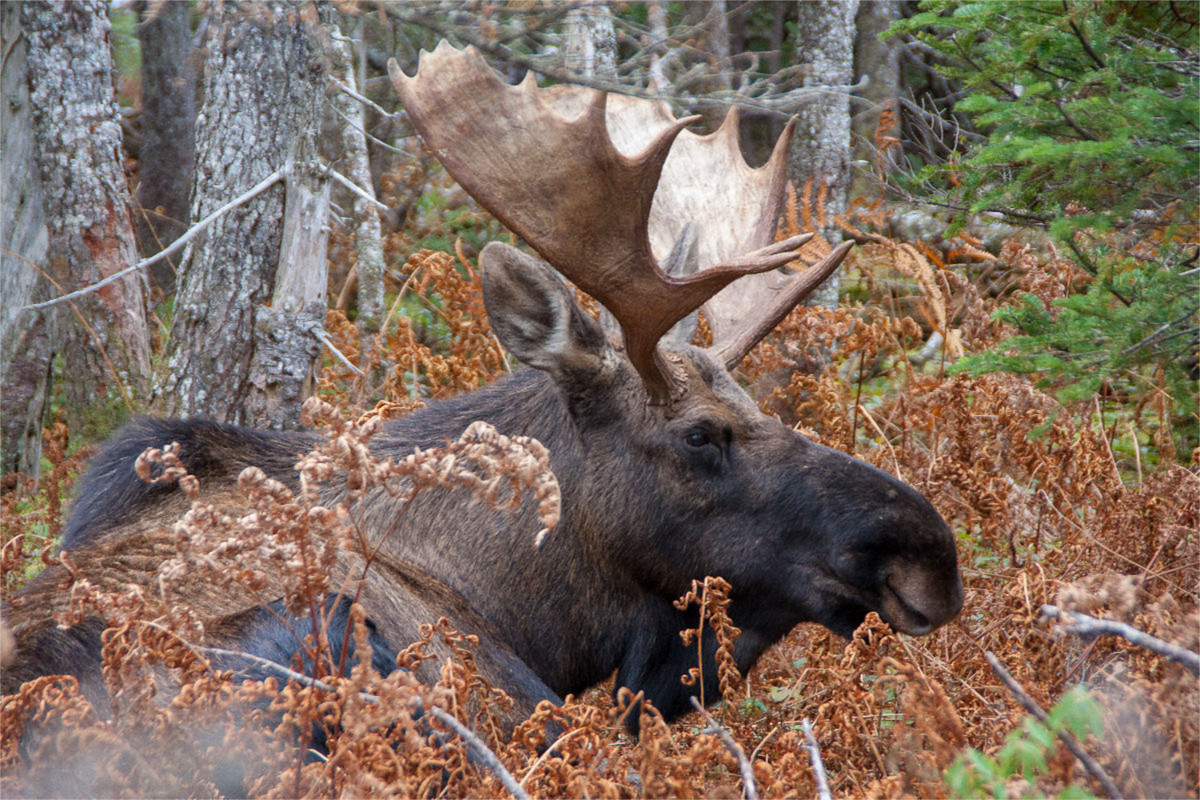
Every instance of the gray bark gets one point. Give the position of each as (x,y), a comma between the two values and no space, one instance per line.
(879,60)
(591,46)
(716,39)
(821,147)
(168,128)
(656,15)
(103,340)
(229,356)
(26,349)
(368,243)
(717,23)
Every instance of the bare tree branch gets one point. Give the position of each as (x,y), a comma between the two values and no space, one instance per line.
(175,246)
(814,754)
(1084,625)
(1068,739)
(765,93)
(481,750)
(732,746)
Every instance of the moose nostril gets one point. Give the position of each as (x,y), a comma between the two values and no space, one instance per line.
(923,599)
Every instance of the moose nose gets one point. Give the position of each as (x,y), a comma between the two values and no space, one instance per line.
(917,599)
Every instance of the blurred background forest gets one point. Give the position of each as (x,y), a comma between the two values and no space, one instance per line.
(1015,334)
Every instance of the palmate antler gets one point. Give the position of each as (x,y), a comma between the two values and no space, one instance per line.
(590,202)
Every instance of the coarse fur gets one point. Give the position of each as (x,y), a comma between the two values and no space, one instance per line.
(653,496)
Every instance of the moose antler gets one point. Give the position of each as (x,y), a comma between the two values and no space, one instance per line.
(561,182)
(735,207)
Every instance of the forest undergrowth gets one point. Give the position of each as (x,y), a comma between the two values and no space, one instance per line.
(1091,507)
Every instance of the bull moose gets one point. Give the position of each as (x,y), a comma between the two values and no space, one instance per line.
(668,470)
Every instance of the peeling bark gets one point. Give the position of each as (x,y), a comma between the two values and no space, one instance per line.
(227,357)
(821,147)
(168,128)
(75,118)
(26,338)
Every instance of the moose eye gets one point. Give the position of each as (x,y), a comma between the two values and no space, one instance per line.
(696,438)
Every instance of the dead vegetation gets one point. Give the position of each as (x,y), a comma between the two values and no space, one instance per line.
(1052,505)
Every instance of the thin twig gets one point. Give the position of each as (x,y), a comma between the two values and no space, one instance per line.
(1085,625)
(1068,739)
(871,419)
(482,752)
(323,337)
(352,186)
(366,101)
(549,752)
(187,236)
(112,368)
(814,755)
(732,746)
(283,671)
(390,148)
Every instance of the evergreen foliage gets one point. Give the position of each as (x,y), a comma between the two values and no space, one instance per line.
(1092,116)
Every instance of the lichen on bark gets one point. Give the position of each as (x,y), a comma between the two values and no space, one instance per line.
(104,345)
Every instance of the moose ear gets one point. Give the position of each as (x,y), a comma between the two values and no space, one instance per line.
(534,315)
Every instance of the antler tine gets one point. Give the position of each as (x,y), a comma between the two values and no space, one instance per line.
(706,181)
(734,348)
(562,185)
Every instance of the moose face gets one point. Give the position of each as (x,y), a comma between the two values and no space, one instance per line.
(806,531)
(709,485)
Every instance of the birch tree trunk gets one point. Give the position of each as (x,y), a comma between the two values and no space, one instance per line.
(591,46)
(168,128)
(103,339)
(26,338)
(821,147)
(252,286)
(879,60)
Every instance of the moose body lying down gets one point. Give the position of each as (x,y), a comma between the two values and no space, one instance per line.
(668,471)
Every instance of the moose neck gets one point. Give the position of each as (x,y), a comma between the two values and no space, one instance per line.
(563,607)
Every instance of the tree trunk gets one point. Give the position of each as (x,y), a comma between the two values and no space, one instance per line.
(104,344)
(656,17)
(26,349)
(879,60)
(821,147)
(168,128)
(716,37)
(368,244)
(229,355)
(591,47)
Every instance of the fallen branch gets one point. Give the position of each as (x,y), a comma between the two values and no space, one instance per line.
(481,750)
(174,247)
(744,767)
(1068,739)
(814,755)
(1084,625)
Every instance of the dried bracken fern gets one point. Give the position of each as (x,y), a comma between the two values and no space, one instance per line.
(711,597)
(1084,506)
